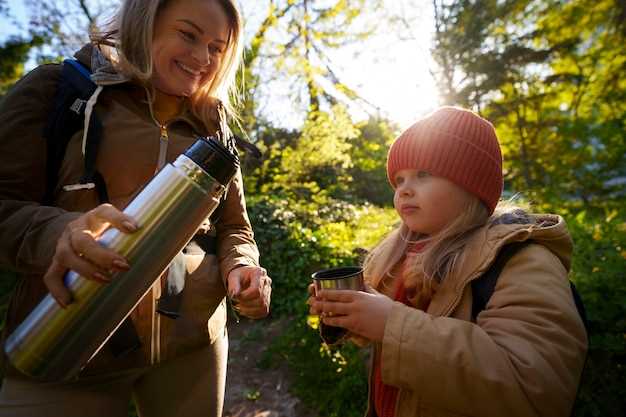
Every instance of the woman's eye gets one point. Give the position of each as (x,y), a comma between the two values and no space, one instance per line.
(188,36)
(215,50)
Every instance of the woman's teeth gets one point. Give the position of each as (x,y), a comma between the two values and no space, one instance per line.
(188,70)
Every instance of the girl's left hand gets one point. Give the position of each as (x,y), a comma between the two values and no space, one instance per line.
(362,313)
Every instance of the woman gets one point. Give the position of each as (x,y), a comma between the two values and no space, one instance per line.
(164,71)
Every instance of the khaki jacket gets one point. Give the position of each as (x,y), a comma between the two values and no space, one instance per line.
(524,355)
(127,159)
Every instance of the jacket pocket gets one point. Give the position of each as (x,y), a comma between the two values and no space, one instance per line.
(202,311)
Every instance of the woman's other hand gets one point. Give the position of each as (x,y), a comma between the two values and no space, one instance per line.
(250,289)
(78,250)
(361,313)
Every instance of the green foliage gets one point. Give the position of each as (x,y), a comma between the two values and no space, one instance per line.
(369,157)
(598,269)
(320,159)
(13,54)
(301,37)
(551,77)
(332,381)
(296,237)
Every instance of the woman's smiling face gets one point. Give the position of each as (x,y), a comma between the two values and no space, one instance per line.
(189,41)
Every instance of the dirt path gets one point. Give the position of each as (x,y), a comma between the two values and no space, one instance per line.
(250,390)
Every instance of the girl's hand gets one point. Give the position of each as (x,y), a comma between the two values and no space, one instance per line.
(311,301)
(362,313)
(78,250)
(250,289)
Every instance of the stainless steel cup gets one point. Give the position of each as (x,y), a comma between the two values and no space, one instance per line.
(341,278)
(54,343)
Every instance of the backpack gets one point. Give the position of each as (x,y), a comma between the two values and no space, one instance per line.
(68,117)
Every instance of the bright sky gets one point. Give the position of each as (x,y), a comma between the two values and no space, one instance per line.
(392,75)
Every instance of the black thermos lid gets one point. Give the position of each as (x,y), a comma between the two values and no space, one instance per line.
(214,158)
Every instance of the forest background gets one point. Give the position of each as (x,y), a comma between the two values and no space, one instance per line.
(550,75)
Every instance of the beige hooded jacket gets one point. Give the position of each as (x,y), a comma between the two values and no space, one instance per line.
(524,355)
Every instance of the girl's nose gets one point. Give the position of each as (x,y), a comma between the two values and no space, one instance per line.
(406,190)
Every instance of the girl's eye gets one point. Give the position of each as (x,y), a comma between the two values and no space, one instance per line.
(399,180)
(422,174)
(188,36)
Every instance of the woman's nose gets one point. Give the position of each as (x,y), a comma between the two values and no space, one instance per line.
(202,55)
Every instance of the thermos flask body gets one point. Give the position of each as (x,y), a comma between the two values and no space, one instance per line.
(55,343)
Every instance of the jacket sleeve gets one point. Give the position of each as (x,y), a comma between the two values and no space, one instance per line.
(28,231)
(524,357)
(235,239)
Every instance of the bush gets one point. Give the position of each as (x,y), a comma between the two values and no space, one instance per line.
(331,381)
(599,273)
(297,237)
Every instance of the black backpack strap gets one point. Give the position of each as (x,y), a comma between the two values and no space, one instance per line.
(484,286)
(580,306)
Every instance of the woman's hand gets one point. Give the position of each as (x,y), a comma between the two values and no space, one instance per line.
(78,250)
(250,289)
(361,313)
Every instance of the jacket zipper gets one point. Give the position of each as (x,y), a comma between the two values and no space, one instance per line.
(163,142)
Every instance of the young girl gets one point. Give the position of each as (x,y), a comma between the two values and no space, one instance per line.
(163,70)
(524,353)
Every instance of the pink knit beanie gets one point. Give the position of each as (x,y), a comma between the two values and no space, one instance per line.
(456,144)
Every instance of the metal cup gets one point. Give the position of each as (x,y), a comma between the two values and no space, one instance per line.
(341,278)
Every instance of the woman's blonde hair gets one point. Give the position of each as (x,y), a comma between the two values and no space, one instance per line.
(129,35)
(445,249)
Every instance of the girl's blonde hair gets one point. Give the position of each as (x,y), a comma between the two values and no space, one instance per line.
(445,249)
(127,42)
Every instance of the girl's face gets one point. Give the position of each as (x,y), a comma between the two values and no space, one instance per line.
(189,41)
(427,204)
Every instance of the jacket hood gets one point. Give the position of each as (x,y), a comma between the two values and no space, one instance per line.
(103,72)
(548,230)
